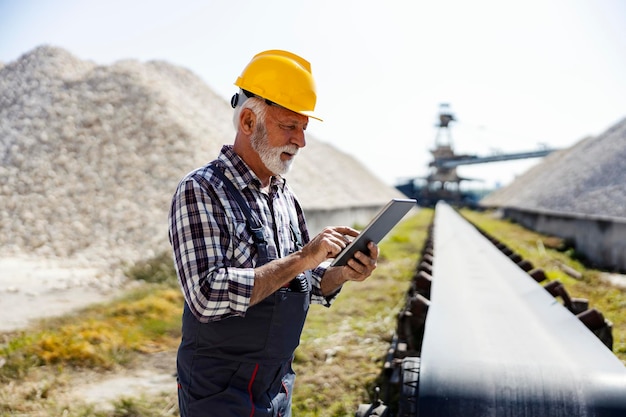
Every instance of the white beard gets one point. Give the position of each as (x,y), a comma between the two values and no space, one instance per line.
(270,156)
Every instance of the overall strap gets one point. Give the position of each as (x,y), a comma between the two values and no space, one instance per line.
(295,230)
(302,282)
(253,224)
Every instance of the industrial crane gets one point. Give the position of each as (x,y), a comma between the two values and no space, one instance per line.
(442,181)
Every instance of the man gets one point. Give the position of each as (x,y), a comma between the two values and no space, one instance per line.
(244,259)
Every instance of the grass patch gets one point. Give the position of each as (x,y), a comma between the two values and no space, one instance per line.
(342,348)
(99,337)
(159,269)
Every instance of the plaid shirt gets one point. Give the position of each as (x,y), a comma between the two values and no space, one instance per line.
(213,251)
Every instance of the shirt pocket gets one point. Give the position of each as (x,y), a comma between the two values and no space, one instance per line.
(244,249)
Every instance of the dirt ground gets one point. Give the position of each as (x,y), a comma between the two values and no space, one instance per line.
(156,375)
(32,289)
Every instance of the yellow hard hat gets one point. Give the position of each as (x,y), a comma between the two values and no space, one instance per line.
(282,78)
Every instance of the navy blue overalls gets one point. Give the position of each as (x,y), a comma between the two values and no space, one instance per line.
(241,366)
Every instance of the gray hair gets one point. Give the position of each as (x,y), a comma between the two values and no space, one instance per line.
(258,107)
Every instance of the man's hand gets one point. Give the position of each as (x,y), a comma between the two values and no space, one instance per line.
(358,268)
(327,244)
(361,265)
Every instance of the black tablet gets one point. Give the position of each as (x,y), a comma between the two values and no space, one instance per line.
(380,225)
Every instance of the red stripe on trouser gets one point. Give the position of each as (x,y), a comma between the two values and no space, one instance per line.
(256,368)
(286,389)
(286,394)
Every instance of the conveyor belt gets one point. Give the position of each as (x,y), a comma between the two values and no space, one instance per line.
(496,343)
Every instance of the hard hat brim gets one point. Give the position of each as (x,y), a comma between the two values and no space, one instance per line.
(309,114)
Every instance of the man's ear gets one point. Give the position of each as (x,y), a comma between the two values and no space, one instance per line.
(247,121)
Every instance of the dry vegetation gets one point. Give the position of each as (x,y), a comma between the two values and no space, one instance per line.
(338,362)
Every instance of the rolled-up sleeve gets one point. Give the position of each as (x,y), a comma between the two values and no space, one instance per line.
(201,242)
(316,293)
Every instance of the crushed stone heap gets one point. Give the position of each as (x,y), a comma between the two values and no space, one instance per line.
(588,178)
(92,154)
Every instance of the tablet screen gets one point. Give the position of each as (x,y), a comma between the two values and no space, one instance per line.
(380,225)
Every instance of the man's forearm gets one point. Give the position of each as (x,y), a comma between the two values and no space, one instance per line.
(331,281)
(270,277)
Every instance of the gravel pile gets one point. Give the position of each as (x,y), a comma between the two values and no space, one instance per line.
(90,156)
(588,178)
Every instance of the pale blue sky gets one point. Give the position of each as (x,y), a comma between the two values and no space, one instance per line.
(516,73)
